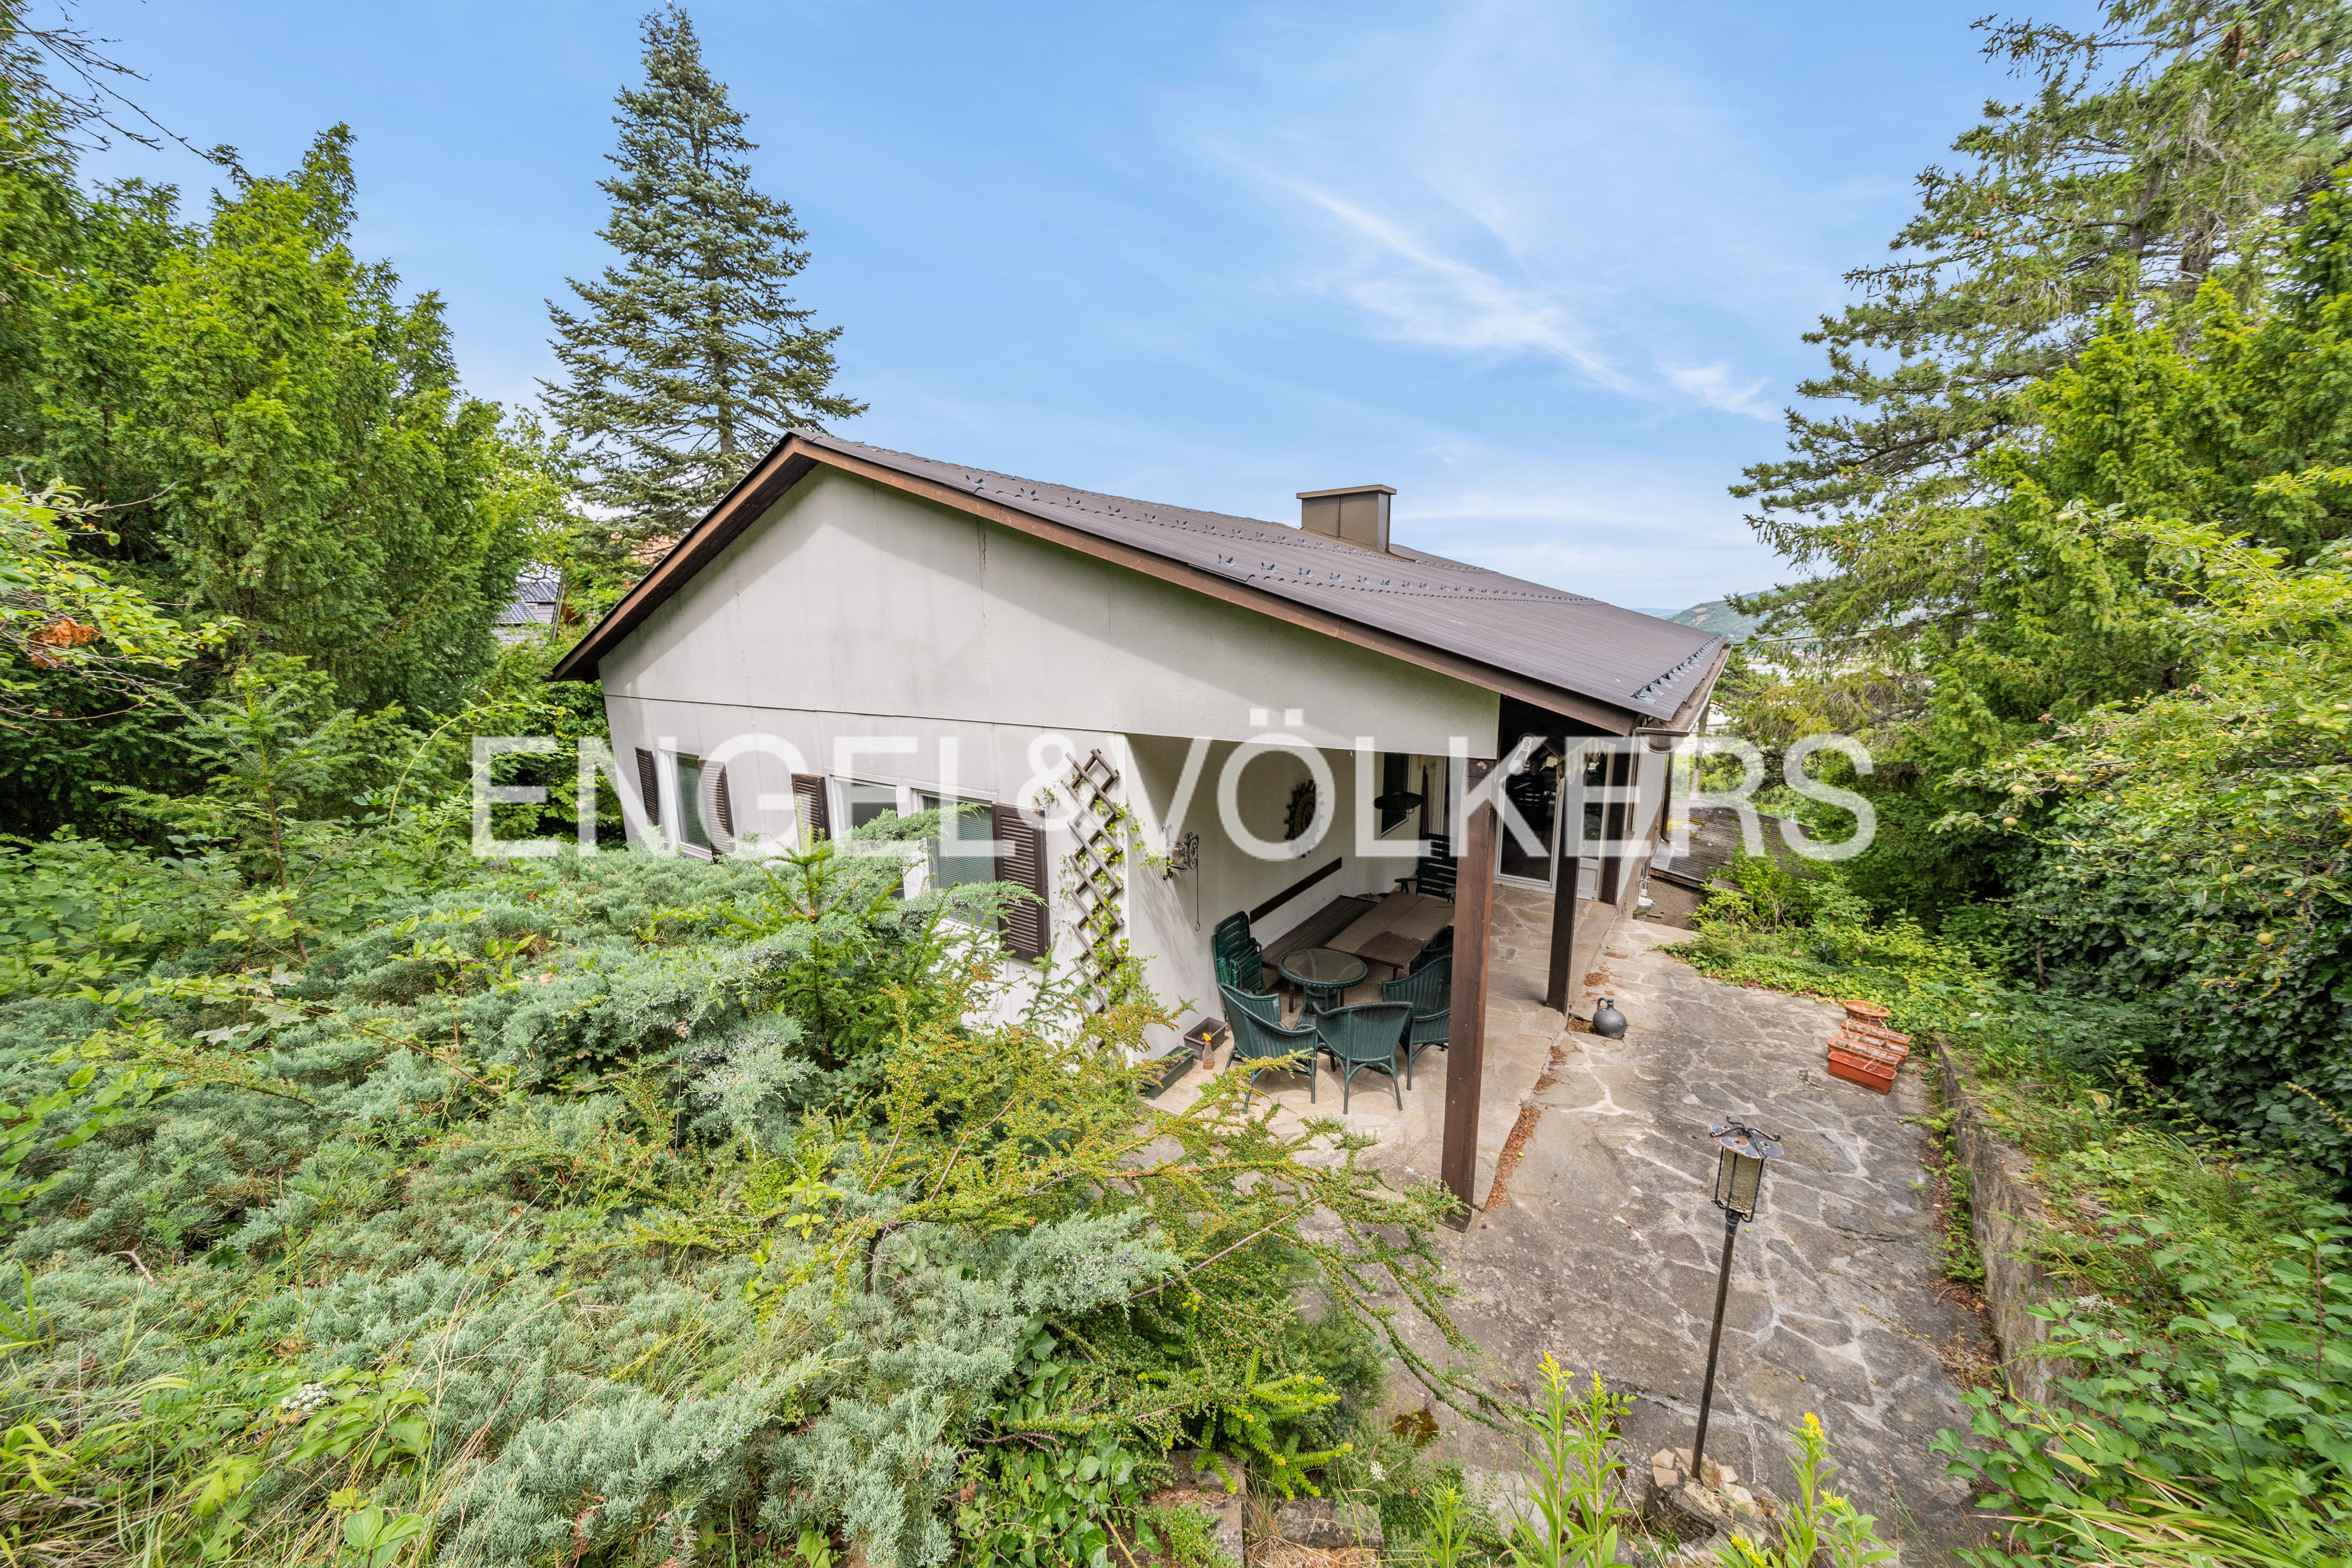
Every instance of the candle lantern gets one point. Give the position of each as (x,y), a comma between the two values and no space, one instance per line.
(1741,1153)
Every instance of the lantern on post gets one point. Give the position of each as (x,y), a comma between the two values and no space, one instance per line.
(1741,1153)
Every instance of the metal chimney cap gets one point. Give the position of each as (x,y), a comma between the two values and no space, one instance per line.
(1345,491)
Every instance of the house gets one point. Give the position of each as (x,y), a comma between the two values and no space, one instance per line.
(537,600)
(1162,718)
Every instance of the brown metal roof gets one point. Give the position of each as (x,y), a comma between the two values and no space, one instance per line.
(1538,643)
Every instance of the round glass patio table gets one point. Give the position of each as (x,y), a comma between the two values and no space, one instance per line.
(1324,975)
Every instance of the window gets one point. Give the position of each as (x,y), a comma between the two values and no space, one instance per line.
(690,831)
(960,854)
(1396,778)
(869,802)
(815,814)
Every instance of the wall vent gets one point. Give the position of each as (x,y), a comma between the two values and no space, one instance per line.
(1356,515)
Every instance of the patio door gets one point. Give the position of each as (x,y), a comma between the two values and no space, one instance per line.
(1534,793)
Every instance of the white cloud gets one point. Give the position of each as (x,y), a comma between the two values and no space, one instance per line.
(1512,179)
(1433,297)
(1713,385)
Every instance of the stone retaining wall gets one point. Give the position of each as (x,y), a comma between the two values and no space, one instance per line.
(2006,1217)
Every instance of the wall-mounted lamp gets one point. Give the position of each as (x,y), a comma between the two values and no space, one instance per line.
(1184,855)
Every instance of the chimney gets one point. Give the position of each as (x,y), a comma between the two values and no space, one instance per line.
(1356,515)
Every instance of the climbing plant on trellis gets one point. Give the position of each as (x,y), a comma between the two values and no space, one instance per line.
(1096,883)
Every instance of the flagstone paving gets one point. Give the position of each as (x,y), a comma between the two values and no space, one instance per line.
(1602,1247)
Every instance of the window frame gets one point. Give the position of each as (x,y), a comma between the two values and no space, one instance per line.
(689,806)
(929,867)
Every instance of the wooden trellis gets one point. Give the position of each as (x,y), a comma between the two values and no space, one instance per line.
(1097,884)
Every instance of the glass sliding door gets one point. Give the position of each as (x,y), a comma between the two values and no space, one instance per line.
(1534,793)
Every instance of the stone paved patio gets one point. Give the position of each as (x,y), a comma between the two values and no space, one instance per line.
(1602,1248)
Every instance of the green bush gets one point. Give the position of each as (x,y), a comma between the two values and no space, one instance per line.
(610,1209)
(2204,1407)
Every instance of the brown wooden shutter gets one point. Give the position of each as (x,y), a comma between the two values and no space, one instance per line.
(808,794)
(649,786)
(725,807)
(1022,862)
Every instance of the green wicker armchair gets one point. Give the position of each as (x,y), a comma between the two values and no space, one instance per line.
(1241,963)
(1265,1004)
(1430,993)
(1269,1045)
(1365,1038)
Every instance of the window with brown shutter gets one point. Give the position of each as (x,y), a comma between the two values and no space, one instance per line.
(649,786)
(1023,863)
(808,794)
(724,807)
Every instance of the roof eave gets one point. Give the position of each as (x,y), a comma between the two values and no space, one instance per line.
(753,494)
(793,459)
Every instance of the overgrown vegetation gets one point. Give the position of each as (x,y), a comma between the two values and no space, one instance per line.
(378,1200)
(2083,538)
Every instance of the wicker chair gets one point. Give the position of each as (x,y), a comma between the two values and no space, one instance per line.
(1365,1037)
(1241,963)
(1429,992)
(1265,1004)
(1269,1045)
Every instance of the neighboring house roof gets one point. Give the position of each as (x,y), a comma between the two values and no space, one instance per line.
(537,590)
(1618,669)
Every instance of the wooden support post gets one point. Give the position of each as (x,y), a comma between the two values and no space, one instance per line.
(1465,1037)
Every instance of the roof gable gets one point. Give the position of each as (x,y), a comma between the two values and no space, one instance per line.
(1613,667)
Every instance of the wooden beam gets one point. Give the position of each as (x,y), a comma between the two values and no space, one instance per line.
(1292,891)
(1465,1037)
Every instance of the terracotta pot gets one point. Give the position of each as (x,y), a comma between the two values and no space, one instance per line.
(1854,1033)
(1876,1075)
(1868,1012)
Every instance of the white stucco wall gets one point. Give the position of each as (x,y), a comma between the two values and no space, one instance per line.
(1175,916)
(858,633)
(851,598)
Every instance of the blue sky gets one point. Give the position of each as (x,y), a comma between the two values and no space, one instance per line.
(1543,268)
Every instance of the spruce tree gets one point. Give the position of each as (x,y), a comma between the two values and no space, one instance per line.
(689,360)
(2172,144)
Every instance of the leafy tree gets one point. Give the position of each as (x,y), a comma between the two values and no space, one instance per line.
(270,436)
(2190,848)
(62,615)
(2210,417)
(2168,147)
(315,470)
(689,360)
(2047,607)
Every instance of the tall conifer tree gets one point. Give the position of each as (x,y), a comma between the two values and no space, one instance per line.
(689,360)
(2170,145)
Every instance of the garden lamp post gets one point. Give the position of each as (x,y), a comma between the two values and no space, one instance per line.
(1741,1152)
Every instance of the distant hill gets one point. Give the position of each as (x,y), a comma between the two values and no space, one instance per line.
(1716,615)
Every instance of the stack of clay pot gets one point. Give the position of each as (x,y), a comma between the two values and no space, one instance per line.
(1865,1050)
